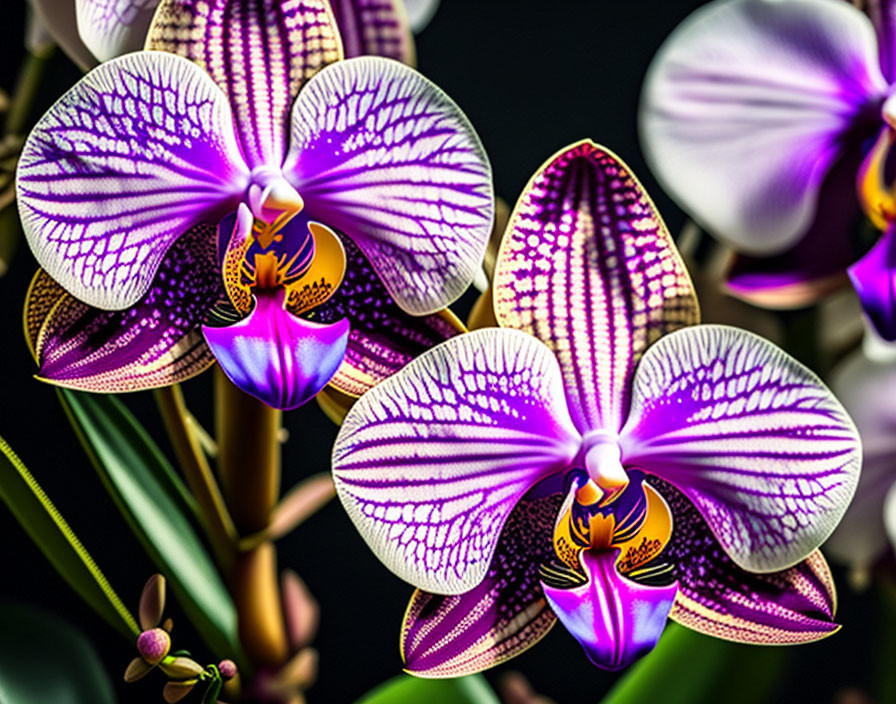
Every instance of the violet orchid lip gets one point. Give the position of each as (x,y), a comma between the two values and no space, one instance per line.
(600,459)
(756,116)
(314,189)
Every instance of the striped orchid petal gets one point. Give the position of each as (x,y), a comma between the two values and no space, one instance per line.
(260,52)
(752,438)
(383,155)
(430,463)
(719,599)
(747,106)
(136,153)
(374,28)
(452,636)
(588,267)
(383,337)
(154,343)
(110,28)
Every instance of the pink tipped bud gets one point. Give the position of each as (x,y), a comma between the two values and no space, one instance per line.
(153,645)
(227,668)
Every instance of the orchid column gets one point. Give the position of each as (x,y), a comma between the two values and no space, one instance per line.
(255,201)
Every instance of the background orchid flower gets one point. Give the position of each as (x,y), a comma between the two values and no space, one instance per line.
(756,116)
(600,459)
(865,382)
(98,30)
(350,213)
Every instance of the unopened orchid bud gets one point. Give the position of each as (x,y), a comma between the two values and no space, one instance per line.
(153,645)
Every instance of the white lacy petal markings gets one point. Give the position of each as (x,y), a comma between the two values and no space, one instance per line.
(588,267)
(110,28)
(431,461)
(382,154)
(745,107)
(753,438)
(137,152)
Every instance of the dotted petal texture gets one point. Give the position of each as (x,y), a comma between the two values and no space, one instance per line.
(383,155)
(374,28)
(452,636)
(136,153)
(752,437)
(260,53)
(588,267)
(430,462)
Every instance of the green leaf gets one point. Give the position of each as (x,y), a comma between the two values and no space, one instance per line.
(689,668)
(43,659)
(48,529)
(136,474)
(464,690)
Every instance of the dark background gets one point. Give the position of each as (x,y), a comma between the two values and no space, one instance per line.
(533,77)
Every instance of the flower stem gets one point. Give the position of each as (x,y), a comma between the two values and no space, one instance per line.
(249,463)
(21,106)
(218,523)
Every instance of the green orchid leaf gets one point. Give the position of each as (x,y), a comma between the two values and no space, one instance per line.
(42,521)
(689,668)
(136,474)
(43,659)
(463,690)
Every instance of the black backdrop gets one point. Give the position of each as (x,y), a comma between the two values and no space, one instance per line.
(533,77)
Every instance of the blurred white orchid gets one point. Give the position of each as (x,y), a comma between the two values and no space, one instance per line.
(91,31)
(865,383)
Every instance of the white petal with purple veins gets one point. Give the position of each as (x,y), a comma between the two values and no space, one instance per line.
(430,462)
(382,154)
(110,28)
(137,152)
(752,437)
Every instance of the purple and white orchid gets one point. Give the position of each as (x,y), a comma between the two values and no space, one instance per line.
(98,30)
(599,459)
(349,213)
(770,122)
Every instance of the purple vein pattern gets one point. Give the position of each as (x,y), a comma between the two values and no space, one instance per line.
(374,28)
(430,467)
(430,463)
(753,439)
(154,143)
(110,28)
(383,338)
(718,598)
(383,155)
(156,341)
(124,163)
(259,52)
(588,268)
(449,636)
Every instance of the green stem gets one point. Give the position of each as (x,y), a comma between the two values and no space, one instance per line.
(217,522)
(21,106)
(249,464)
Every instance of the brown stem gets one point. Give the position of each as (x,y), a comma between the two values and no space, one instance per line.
(217,522)
(249,464)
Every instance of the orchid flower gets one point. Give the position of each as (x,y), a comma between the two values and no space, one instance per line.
(759,117)
(599,459)
(98,30)
(866,383)
(338,243)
